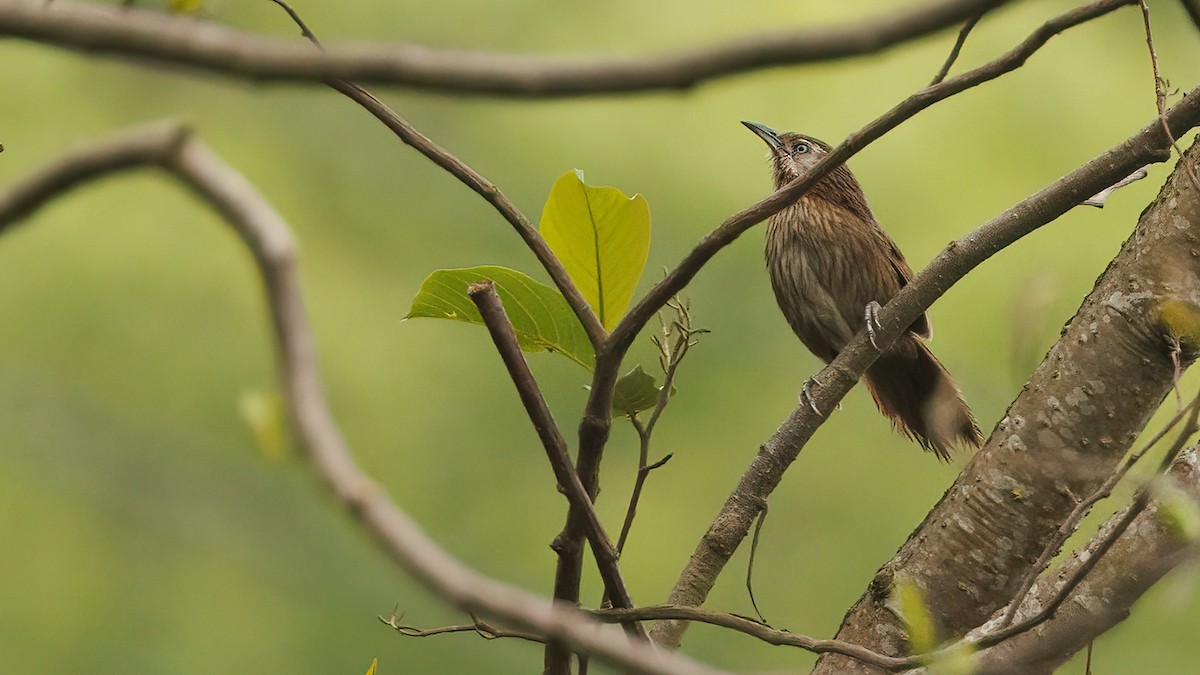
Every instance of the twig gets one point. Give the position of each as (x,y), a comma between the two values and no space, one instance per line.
(269,239)
(1160,94)
(491,310)
(480,628)
(957,48)
(202,44)
(1072,521)
(758,630)
(673,343)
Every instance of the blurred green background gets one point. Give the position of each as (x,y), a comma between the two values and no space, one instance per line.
(145,532)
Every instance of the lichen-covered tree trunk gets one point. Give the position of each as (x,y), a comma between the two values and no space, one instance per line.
(1076,417)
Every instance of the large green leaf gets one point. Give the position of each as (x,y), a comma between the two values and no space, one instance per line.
(540,316)
(602,237)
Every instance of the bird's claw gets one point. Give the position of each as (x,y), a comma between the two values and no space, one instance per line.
(871,316)
(806,395)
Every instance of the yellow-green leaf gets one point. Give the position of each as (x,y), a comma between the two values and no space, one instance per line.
(1178,510)
(263,413)
(635,391)
(922,634)
(186,6)
(540,315)
(602,238)
(374,665)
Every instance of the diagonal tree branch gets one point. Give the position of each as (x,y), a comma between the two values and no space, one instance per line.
(206,45)
(269,239)
(491,310)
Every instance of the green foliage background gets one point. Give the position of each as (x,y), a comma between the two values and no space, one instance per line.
(144,531)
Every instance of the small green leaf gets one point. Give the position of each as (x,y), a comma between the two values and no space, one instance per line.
(1177,510)
(958,659)
(540,316)
(602,238)
(922,634)
(374,665)
(635,391)
(263,413)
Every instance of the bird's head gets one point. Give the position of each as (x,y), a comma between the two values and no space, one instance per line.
(791,154)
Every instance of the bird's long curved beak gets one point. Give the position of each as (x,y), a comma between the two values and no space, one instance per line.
(766,133)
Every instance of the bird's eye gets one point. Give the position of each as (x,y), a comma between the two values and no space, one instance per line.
(800,148)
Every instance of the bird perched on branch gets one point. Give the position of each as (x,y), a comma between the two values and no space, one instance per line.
(831,266)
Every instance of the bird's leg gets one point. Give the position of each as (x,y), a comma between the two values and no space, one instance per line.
(871,316)
(806,395)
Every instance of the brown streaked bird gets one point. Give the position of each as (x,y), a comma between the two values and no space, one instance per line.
(831,266)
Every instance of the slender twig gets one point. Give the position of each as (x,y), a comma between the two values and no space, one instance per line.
(1081,509)
(491,310)
(758,630)
(162,37)
(1160,91)
(957,48)
(409,135)
(676,338)
(480,628)
(269,239)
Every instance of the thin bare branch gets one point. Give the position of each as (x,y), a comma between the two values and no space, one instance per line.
(673,342)
(269,239)
(957,48)
(480,628)
(173,39)
(491,310)
(758,630)
(1160,89)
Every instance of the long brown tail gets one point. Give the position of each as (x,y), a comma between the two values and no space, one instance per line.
(914,389)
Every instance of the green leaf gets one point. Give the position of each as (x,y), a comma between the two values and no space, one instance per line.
(635,391)
(922,634)
(602,238)
(540,316)
(1177,510)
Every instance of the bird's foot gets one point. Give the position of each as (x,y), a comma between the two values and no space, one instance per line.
(806,395)
(871,316)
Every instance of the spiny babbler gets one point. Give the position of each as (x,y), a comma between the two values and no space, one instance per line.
(830,263)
